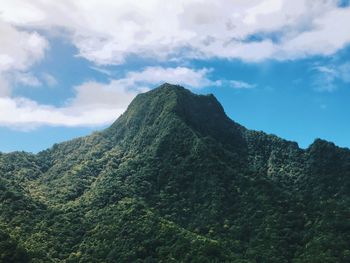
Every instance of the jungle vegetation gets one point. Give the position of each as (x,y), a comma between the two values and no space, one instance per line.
(175,180)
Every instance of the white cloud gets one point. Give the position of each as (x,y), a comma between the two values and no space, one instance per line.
(49,79)
(179,75)
(102,70)
(19,49)
(23,113)
(94,95)
(107,32)
(327,75)
(26,79)
(236,84)
(30,80)
(95,103)
(344,72)
(4,86)
(328,34)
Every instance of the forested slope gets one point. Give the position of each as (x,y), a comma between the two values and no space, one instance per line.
(175,180)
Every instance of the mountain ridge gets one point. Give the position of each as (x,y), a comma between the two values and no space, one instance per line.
(175,180)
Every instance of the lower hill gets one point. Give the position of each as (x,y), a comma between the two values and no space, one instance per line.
(175,180)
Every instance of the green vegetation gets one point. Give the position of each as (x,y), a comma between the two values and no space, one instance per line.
(175,180)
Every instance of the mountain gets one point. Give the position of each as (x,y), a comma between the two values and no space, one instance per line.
(175,180)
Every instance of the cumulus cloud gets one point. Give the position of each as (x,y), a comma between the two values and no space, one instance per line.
(328,35)
(95,103)
(107,32)
(23,113)
(19,49)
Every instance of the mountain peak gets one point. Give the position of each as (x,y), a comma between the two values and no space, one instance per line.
(169,86)
(175,99)
(174,179)
(169,106)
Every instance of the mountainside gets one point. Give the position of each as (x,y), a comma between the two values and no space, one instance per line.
(175,180)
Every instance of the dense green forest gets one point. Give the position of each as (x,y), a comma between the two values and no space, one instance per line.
(175,180)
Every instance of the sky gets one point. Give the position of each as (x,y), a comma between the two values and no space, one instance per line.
(71,67)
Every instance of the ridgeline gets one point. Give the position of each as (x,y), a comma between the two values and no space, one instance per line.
(175,180)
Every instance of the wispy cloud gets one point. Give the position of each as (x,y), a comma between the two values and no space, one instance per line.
(102,70)
(26,79)
(178,75)
(49,79)
(327,76)
(236,84)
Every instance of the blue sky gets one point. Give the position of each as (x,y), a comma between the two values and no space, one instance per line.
(67,70)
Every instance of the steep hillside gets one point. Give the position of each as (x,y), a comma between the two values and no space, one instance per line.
(175,180)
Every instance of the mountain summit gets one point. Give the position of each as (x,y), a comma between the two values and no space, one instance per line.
(175,180)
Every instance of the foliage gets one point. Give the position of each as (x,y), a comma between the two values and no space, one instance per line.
(175,180)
